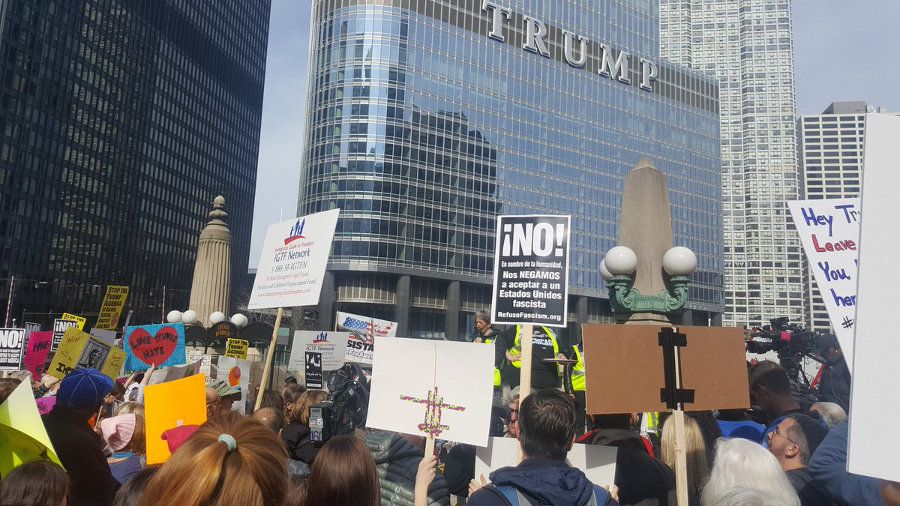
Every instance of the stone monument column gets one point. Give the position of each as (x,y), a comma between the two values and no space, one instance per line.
(211,288)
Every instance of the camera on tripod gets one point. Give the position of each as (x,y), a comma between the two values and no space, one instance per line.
(346,408)
(782,337)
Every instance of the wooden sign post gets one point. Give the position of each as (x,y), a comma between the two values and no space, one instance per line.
(267,370)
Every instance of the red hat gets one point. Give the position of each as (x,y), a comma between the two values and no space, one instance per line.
(177,436)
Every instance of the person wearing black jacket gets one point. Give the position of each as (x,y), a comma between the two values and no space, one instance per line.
(834,385)
(544,345)
(296,434)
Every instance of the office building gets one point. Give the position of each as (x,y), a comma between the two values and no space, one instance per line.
(429,118)
(747,46)
(120,121)
(831,156)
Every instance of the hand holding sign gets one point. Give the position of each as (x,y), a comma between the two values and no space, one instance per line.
(160,345)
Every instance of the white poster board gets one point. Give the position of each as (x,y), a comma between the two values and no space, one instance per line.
(194,355)
(829,232)
(292,262)
(332,346)
(876,346)
(597,462)
(441,388)
(363,331)
(235,372)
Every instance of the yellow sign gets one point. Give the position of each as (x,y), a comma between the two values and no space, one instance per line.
(80,349)
(80,320)
(237,348)
(113,303)
(22,434)
(169,405)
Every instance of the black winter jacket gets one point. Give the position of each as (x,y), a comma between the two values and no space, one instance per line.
(299,446)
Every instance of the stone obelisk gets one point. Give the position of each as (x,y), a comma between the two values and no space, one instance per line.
(646,227)
(211,288)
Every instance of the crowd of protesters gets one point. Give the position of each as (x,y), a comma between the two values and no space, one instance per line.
(784,451)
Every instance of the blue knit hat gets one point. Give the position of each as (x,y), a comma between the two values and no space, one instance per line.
(83,389)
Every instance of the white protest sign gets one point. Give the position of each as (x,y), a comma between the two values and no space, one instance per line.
(418,388)
(363,331)
(597,462)
(332,346)
(292,262)
(197,354)
(12,346)
(876,347)
(235,372)
(829,232)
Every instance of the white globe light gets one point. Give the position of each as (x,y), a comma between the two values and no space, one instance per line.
(620,261)
(604,272)
(217,317)
(239,320)
(189,317)
(173,316)
(679,261)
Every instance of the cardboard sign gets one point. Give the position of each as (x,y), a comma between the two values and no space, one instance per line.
(59,330)
(22,434)
(418,388)
(162,345)
(332,345)
(597,462)
(313,371)
(204,359)
(12,344)
(624,368)
(169,405)
(292,262)
(80,320)
(38,349)
(111,309)
(107,336)
(876,347)
(80,349)
(237,373)
(531,270)
(237,348)
(829,232)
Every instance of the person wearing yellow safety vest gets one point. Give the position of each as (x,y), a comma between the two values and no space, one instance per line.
(544,345)
(577,353)
(485,333)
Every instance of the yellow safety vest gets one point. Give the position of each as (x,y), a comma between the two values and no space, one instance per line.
(578,372)
(517,349)
(497,379)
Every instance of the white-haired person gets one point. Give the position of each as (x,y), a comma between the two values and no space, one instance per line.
(743,464)
(831,412)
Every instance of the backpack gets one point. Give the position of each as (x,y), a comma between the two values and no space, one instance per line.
(515,497)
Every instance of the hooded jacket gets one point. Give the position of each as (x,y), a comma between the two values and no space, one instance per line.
(397,463)
(551,482)
(299,446)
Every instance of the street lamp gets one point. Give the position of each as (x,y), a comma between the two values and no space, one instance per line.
(618,267)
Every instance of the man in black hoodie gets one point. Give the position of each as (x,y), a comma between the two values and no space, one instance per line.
(546,432)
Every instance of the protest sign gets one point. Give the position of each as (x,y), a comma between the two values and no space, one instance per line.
(161,345)
(22,434)
(237,373)
(332,345)
(237,348)
(363,331)
(313,371)
(31,327)
(107,336)
(597,462)
(80,320)
(417,388)
(59,329)
(169,405)
(531,266)
(38,349)
(111,309)
(624,368)
(292,262)
(12,344)
(80,349)
(875,347)
(194,355)
(829,232)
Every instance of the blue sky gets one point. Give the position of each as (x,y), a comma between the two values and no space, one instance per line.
(843,51)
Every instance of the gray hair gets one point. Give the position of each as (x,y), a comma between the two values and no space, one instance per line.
(831,412)
(741,496)
(742,463)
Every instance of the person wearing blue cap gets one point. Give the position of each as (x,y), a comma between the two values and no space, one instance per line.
(79,448)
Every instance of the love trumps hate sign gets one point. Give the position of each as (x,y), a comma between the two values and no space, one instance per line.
(161,345)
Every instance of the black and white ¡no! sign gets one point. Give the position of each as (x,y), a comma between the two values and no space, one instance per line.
(531,270)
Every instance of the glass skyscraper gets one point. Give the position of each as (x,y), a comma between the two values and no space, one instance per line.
(428,118)
(120,121)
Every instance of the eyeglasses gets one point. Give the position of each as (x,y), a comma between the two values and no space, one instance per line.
(779,434)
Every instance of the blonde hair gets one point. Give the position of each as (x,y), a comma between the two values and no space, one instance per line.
(300,411)
(204,471)
(695,452)
(130,408)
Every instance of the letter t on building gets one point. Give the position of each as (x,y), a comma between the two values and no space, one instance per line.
(497,15)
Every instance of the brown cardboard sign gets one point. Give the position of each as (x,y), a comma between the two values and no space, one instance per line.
(624,368)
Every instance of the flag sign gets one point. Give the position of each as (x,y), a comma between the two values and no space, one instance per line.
(59,329)
(111,310)
(829,232)
(38,349)
(80,349)
(80,320)
(332,345)
(161,345)
(12,342)
(237,348)
(313,370)
(531,266)
(292,262)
